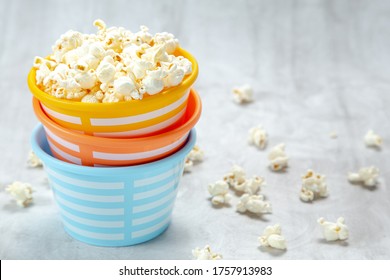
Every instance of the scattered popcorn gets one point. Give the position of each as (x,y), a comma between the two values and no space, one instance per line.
(277,157)
(313,185)
(372,140)
(366,175)
(254,204)
(235,177)
(258,137)
(250,186)
(272,237)
(219,192)
(112,65)
(196,155)
(243,94)
(33,160)
(22,192)
(334,231)
(205,254)
(333,135)
(188,164)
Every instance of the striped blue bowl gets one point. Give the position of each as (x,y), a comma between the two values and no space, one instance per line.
(113,206)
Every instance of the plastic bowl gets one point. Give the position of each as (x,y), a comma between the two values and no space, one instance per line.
(122,119)
(113,206)
(87,150)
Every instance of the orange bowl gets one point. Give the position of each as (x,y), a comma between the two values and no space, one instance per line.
(78,148)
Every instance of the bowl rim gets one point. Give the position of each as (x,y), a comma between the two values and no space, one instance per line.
(123,142)
(38,138)
(82,106)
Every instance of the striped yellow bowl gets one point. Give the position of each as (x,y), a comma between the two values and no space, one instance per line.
(125,119)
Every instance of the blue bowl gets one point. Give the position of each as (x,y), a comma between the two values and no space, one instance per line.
(113,206)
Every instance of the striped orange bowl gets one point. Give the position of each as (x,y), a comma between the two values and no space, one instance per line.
(81,149)
(122,119)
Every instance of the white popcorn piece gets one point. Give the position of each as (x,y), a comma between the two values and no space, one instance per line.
(250,186)
(205,254)
(153,81)
(196,154)
(272,237)
(188,164)
(313,186)
(277,157)
(254,204)
(334,231)
(235,177)
(368,176)
(83,64)
(372,139)
(333,135)
(33,160)
(243,94)
(86,80)
(258,137)
(124,85)
(219,192)
(22,192)
(105,72)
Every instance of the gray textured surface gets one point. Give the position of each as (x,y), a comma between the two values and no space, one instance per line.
(316,67)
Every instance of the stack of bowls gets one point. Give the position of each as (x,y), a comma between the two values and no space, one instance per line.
(115,167)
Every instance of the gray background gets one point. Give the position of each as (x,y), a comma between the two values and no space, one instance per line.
(316,67)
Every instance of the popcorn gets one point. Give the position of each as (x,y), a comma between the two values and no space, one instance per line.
(188,164)
(196,155)
(254,204)
(333,135)
(277,157)
(258,137)
(22,192)
(205,254)
(33,160)
(235,177)
(313,185)
(366,175)
(250,186)
(105,72)
(219,192)
(243,94)
(372,140)
(120,64)
(272,237)
(334,231)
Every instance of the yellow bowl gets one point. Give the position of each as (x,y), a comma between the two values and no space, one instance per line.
(122,119)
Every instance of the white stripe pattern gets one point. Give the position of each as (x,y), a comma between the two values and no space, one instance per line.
(62,117)
(86,184)
(91,210)
(63,154)
(152,217)
(88,197)
(147,194)
(143,131)
(93,223)
(149,206)
(63,142)
(141,117)
(94,235)
(155,179)
(151,229)
(133,156)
